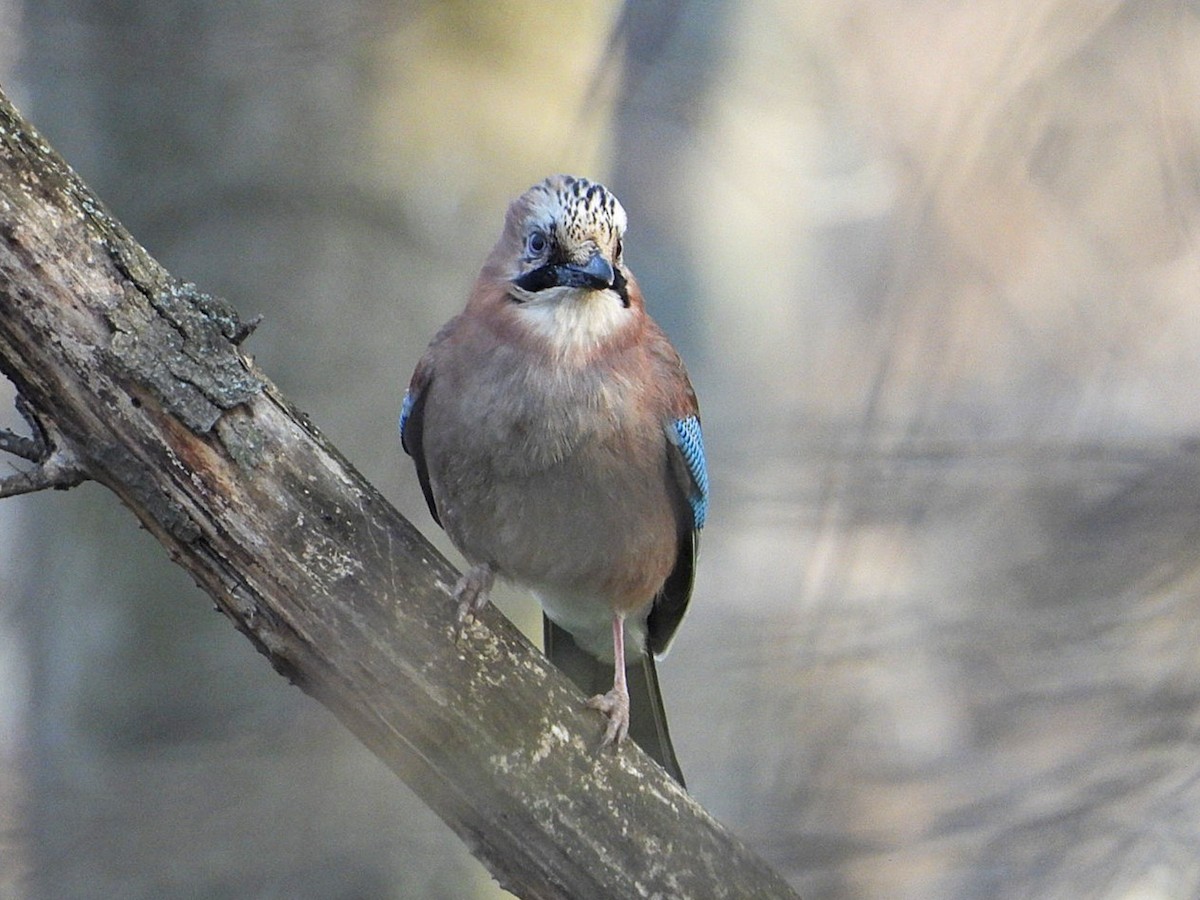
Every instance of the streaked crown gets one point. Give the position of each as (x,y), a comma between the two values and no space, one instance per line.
(577,210)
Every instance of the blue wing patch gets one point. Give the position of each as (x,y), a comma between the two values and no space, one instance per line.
(690,441)
(405,411)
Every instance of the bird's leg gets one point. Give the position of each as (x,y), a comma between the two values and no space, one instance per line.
(615,704)
(472,592)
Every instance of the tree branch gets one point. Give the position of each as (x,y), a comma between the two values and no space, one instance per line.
(57,467)
(32,448)
(141,378)
(18,445)
(58,470)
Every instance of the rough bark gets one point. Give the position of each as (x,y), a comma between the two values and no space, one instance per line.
(141,385)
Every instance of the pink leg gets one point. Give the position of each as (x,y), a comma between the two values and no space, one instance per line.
(615,704)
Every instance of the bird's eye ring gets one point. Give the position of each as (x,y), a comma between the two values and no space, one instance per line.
(536,244)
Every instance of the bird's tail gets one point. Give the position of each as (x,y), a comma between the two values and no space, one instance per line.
(647,718)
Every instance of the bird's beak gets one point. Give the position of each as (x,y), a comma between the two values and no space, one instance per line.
(597,274)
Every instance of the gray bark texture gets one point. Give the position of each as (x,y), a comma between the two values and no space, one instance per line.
(138,381)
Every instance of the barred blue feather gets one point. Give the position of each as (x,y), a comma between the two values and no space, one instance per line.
(405,411)
(691,448)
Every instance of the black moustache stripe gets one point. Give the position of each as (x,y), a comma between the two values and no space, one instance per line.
(539,279)
(551,275)
(621,286)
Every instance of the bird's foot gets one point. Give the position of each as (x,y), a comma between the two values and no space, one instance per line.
(472,592)
(615,705)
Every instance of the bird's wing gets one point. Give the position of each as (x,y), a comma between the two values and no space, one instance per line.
(687,441)
(412,427)
(685,444)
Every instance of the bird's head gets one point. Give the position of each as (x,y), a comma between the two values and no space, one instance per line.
(560,263)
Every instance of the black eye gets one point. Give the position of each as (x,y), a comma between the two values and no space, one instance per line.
(536,244)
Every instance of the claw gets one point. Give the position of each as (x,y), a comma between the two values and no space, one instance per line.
(614,705)
(472,593)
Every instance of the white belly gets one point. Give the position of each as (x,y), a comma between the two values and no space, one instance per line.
(589,621)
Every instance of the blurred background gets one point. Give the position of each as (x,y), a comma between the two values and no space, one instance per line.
(934,268)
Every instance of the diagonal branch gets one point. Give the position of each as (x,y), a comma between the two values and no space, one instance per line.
(141,376)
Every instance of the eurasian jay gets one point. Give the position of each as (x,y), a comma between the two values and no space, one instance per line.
(557,440)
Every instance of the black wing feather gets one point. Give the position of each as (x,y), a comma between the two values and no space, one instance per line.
(412,434)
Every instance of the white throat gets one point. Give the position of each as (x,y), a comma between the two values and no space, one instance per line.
(574,320)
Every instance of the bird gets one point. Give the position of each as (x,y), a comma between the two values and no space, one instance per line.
(556,437)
